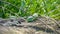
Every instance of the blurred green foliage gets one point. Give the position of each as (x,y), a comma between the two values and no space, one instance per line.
(50,8)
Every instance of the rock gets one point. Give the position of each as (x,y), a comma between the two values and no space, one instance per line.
(3,21)
(21,19)
(14,30)
(19,22)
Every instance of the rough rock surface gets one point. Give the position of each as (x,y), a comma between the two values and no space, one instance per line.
(41,26)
